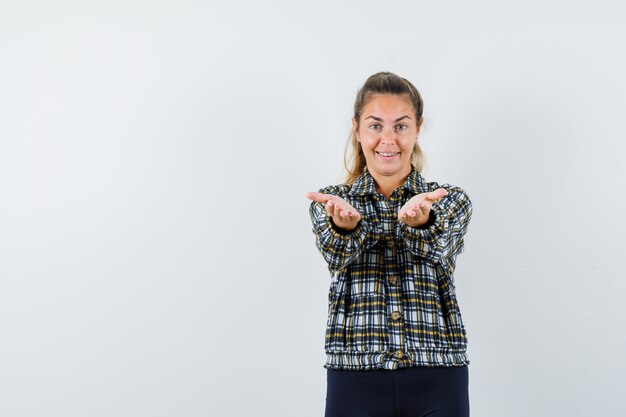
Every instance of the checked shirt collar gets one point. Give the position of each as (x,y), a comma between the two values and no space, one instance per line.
(365,185)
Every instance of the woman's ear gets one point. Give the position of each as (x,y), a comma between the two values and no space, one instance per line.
(355,127)
(419,125)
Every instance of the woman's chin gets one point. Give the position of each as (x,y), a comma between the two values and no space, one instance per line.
(389,168)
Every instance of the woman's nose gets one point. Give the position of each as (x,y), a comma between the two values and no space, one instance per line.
(388,135)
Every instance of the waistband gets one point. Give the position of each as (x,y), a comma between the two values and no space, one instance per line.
(357,360)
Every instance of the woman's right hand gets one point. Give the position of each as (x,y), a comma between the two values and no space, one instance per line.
(343,214)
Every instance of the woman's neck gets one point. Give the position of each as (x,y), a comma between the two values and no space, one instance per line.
(387,184)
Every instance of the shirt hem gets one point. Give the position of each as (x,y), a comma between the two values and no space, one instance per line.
(357,361)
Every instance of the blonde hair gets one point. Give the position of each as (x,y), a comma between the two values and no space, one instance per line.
(380,83)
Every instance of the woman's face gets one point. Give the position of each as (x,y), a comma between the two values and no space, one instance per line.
(387,131)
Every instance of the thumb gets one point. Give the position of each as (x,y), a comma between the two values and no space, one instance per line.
(437,194)
(315,196)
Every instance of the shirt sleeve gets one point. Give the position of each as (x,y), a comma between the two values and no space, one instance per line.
(338,247)
(442,236)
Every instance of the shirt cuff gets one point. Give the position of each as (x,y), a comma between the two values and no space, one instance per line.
(433,225)
(342,233)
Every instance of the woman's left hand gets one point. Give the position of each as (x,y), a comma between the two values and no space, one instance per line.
(416,211)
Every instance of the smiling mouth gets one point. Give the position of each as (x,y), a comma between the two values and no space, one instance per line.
(387,155)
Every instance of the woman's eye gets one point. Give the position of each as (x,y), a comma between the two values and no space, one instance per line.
(375,127)
(402,127)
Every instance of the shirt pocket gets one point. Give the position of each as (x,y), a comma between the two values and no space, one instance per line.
(356,322)
(425,321)
(455,333)
(366,324)
(336,323)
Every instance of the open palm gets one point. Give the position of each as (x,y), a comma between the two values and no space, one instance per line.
(343,214)
(416,211)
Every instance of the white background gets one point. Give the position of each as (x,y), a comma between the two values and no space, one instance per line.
(156,254)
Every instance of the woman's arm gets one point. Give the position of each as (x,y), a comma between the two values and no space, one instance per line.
(338,247)
(442,236)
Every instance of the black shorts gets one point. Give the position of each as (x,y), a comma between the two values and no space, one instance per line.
(405,392)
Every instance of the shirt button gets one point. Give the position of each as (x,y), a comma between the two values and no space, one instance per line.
(395,315)
(393,280)
(390,244)
(398,354)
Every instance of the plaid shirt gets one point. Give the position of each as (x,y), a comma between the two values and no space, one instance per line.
(392,301)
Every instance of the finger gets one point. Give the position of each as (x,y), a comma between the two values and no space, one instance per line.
(416,208)
(330,207)
(437,194)
(412,211)
(319,197)
(346,210)
(338,211)
(347,213)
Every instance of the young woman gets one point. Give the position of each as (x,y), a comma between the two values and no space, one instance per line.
(395,340)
